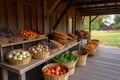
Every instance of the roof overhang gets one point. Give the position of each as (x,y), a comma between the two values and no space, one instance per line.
(97,7)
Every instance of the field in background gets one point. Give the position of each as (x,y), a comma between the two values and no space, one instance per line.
(110,38)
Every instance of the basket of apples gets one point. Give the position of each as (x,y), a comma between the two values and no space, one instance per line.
(55,71)
(40,51)
(19,57)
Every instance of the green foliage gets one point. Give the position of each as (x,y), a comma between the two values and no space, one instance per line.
(95,24)
(65,57)
(117,21)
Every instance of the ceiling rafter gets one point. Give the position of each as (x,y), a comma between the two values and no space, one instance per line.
(98,7)
(80,3)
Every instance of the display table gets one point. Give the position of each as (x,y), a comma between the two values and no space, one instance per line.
(21,70)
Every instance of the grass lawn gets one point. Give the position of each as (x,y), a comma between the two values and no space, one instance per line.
(110,38)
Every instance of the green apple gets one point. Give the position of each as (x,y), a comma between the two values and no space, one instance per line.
(15,57)
(20,58)
(24,56)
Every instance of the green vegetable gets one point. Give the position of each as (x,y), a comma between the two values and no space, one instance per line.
(66,57)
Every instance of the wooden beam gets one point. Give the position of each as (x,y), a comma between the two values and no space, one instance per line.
(99,7)
(80,3)
(94,18)
(56,4)
(102,12)
(71,2)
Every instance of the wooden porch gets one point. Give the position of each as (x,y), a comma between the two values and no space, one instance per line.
(104,66)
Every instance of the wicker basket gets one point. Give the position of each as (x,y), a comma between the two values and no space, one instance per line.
(60,36)
(4,41)
(71,71)
(39,55)
(68,64)
(82,57)
(93,52)
(94,41)
(30,38)
(50,77)
(18,62)
(52,51)
(41,35)
(16,39)
(61,47)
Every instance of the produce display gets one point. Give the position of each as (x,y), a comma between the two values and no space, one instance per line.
(55,70)
(83,34)
(90,46)
(8,33)
(49,44)
(40,49)
(28,33)
(60,35)
(18,55)
(65,57)
(72,35)
(56,43)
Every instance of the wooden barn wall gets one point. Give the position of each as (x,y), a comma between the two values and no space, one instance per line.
(34,14)
(21,14)
(63,25)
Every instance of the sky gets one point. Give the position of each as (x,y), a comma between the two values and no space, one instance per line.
(110,19)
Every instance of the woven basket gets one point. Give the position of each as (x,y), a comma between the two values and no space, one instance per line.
(16,39)
(4,41)
(82,57)
(93,52)
(39,55)
(29,38)
(41,35)
(60,36)
(71,71)
(18,62)
(52,51)
(68,64)
(61,47)
(94,41)
(50,77)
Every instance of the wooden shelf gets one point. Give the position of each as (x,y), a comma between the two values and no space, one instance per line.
(34,62)
(22,42)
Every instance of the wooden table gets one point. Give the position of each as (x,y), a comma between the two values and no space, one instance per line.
(21,70)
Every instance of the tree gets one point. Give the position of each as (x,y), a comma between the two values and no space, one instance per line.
(117,21)
(95,24)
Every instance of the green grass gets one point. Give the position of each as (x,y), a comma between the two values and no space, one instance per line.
(110,38)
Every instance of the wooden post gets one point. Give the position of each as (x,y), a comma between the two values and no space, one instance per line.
(90,21)
(89,28)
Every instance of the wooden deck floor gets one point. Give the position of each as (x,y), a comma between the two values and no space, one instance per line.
(104,66)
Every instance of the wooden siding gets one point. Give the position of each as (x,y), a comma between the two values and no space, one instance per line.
(34,14)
